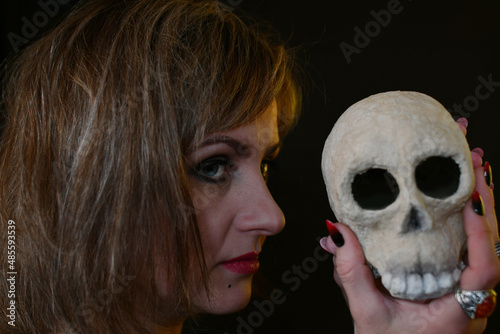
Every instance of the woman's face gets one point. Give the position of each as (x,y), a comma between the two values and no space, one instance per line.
(235,210)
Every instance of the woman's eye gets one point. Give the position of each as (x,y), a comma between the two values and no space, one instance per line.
(265,167)
(213,169)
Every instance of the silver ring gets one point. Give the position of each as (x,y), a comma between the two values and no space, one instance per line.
(497,248)
(477,304)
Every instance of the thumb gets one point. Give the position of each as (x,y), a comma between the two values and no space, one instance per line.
(353,274)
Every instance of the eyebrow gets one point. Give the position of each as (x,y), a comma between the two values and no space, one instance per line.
(238,146)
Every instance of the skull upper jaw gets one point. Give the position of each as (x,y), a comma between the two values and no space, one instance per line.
(418,265)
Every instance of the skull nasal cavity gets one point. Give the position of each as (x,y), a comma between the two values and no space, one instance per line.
(374,189)
(414,223)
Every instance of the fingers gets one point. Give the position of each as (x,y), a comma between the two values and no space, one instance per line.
(462,124)
(484,184)
(483,271)
(477,153)
(351,272)
(477,157)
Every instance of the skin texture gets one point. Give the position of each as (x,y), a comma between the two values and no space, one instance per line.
(234,208)
(374,311)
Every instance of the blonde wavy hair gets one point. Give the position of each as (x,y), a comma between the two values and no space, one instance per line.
(98,117)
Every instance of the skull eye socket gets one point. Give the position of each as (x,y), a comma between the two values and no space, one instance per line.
(374,189)
(438,177)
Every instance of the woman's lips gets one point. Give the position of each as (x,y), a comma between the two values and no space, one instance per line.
(245,264)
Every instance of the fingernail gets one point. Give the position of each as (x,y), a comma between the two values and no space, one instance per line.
(488,174)
(463,121)
(479,151)
(322,243)
(337,238)
(477,203)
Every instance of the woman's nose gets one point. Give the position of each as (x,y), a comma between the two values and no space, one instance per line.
(259,212)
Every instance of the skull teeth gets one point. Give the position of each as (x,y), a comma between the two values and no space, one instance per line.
(416,286)
(431,285)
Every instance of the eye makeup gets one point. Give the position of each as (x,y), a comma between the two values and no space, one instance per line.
(214,169)
(220,156)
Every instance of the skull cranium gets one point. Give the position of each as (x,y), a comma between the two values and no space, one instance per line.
(398,171)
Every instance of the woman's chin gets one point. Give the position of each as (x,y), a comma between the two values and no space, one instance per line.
(229,299)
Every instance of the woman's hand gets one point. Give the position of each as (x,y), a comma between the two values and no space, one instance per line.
(375,311)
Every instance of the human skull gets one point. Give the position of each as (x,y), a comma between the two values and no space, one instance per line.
(398,171)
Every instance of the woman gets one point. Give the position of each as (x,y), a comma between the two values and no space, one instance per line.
(136,121)
(133,165)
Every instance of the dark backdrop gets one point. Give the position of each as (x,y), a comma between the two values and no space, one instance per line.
(442,48)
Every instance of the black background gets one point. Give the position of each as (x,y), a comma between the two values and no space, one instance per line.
(440,48)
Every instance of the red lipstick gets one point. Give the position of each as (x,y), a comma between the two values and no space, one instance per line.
(245,264)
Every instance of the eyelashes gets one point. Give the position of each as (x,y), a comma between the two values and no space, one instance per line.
(218,169)
(214,169)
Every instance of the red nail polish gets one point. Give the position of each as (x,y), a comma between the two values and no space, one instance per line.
(337,238)
(477,203)
(488,174)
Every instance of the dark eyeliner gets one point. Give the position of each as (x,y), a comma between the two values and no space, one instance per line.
(219,161)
